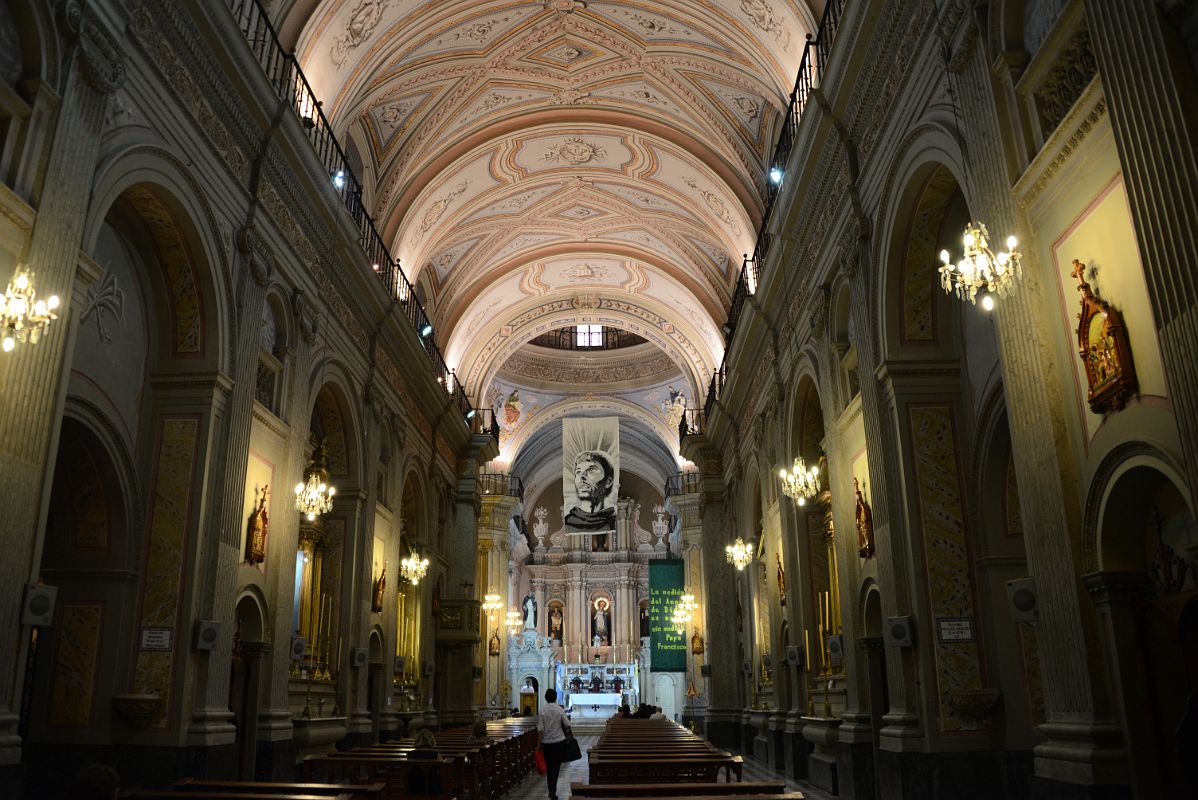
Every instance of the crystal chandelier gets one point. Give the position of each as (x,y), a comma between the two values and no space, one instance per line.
(981,269)
(491,604)
(799,483)
(683,612)
(739,554)
(514,622)
(314,495)
(22,316)
(413,568)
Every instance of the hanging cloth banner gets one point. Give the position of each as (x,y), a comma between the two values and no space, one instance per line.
(590,473)
(667,647)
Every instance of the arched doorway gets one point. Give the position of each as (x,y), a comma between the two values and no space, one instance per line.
(665,694)
(245,679)
(1147,598)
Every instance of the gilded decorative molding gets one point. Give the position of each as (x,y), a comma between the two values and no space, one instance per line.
(1082,120)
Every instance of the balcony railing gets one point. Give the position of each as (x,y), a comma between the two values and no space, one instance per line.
(498,483)
(811,70)
(691,422)
(484,421)
(289,83)
(682,483)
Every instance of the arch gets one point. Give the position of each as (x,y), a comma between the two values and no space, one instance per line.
(871,609)
(332,419)
(374,646)
(37,41)
(186,238)
(928,150)
(1102,548)
(250,614)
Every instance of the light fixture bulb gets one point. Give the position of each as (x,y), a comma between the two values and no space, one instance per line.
(9,344)
(22,281)
(988,302)
(1011,242)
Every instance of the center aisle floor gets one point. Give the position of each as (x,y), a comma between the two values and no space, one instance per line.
(534,786)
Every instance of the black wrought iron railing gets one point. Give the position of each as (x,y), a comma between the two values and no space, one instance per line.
(811,72)
(484,421)
(691,422)
(682,483)
(498,483)
(289,83)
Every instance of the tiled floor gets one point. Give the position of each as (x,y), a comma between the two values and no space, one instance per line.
(534,786)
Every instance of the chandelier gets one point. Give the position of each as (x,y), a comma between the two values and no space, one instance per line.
(739,554)
(981,269)
(22,316)
(514,622)
(413,568)
(491,604)
(314,495)
(799,482)
(683,612)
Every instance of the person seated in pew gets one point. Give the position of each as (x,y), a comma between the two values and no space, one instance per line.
(97,782)
(657,714)
(625,711)
(643,711)
(424,780)
(479,734)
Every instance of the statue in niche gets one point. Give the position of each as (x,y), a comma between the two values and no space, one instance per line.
(530,612)
(540,528)
(255,542)
(600,622)
(644,620)
(555,623)
(781,580)
(865,524)
(380,586)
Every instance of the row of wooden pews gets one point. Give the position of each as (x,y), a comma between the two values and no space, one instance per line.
(462,770)
(656,751)
(645,759)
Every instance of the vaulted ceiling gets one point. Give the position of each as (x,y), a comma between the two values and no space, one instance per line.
(542,163)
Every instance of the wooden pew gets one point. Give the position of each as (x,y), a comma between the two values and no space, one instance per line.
(676,789)
(656,751)
(156,794)
(192,786)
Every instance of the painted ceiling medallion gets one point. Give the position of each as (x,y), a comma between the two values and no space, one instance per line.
(575,151)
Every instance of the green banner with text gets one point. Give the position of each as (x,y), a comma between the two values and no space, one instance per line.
(667,647)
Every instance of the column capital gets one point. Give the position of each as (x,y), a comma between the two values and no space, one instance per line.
(1116,588)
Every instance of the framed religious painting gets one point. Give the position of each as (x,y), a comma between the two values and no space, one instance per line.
(1103,348)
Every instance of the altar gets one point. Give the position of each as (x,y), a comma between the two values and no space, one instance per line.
(594,704)
(597,690)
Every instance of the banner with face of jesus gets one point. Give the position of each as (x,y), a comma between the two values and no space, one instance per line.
(590,473)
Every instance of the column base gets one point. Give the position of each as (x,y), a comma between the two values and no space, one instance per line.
(856,774)
(798,751)
(976,775)
(275,761)
(723,728)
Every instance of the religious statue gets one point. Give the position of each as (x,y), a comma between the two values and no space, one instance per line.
(781,580)
(555,623)
(865,524)
(493,645)
(530,612)
(380,586)
(255,542)
(1104,349)
(644,621)
(599,622)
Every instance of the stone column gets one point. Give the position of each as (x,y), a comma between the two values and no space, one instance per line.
(1114,595)
(274,726)
(723,714)
(30,417)
(1150,89)
(211,719)
(576,632)
(255,655)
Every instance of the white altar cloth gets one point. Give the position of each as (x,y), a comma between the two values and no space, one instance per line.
(595,704)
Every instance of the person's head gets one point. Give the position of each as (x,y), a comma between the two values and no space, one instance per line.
(528,711)
(625,709)
(480,729)
(551,695)
(97,782)
(425,739)
(593,477)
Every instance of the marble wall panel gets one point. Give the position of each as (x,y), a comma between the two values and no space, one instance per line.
(76,651)
(166,549)
(946,553)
